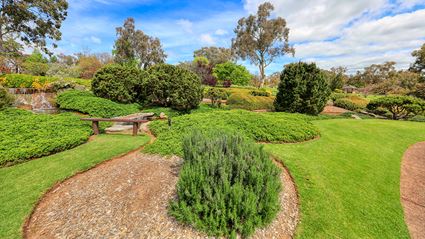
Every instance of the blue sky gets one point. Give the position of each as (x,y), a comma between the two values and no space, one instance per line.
(330,32)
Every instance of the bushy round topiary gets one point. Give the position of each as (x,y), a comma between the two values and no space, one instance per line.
(120,83)
(400,106)
(174,87)
(302,88)
(6,99)
(227,185)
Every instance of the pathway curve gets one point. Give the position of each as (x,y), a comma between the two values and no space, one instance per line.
(127,197)
(412,189)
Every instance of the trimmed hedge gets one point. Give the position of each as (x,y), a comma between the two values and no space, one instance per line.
(263,127)
(250,102)
(25,135)
(38,82)
(227,185)
(87,103)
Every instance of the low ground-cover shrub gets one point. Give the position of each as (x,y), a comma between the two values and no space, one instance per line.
(87,103)
(37,82)
(250,102)
(227,185)
(24,135)
(401,107)
(263,127)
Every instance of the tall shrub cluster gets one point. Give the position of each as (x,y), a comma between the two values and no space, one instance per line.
(227,185)
(162,85)
(302,88)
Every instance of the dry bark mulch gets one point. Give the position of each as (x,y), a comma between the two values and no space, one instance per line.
(128,197)
(333,110)
(412,189)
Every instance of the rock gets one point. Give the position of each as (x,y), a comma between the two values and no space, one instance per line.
(162,115)
(355,117)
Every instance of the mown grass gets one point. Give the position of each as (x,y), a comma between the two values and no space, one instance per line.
(349,179)
(22,185)
(263,127)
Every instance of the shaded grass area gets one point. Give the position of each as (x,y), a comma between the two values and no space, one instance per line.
(349,179)
(264,127)
(22,185)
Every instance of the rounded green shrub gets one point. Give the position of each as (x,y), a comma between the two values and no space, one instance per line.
(302,88)
(234,73)
(174,87)
(227,185)
(6,99)
(249,102)
(120,83)
(400,106)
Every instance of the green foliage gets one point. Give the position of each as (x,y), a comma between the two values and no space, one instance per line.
(302,88)
(227,185)
(263,127)
(29,81)
(216,96)
(25,135)
(120,83)
(174,87)
(250,102)
(419,91)
(351,102)
(6,99)
(229,71)
(87,103)
(35,68)
(261,92)
(400,106)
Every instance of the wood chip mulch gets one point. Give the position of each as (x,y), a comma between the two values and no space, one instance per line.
(412,189)
(128,197)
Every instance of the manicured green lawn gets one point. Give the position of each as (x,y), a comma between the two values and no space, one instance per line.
(349,179)
(23,184)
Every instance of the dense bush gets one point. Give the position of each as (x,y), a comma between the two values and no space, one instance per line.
(120,83)
(260,93)
(216,96)
(346,104)
(174,87)
(6,99)
(302,88)
(250,102)
(87,103)
(401,107)
(352,102)
(229,71)
(24,135)
(263,127)
(419,91)
(38,82)
(227,185)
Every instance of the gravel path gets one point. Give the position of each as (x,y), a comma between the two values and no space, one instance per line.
(127,198)
(412,189)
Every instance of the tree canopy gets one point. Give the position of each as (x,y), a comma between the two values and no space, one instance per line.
(419,65)
(134,46)
(215,55)
(261,39)
(31,21)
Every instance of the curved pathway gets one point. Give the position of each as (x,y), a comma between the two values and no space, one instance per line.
(412,189)
(128,197)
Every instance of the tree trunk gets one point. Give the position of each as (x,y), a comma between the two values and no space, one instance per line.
(262,75)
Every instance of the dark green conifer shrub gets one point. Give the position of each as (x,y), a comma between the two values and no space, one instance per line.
(302,88)
(227,185)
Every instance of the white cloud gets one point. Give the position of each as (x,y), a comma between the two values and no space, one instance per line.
(186,25)
(220,32)
(96,40)
(207,39)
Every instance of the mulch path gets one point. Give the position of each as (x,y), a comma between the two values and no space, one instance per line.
(412,189)
(333,110)
(128,197)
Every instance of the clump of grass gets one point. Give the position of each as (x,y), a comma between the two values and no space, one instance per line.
(262,127)
(227,185)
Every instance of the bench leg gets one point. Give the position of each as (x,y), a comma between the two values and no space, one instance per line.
(95,125)
(135,128)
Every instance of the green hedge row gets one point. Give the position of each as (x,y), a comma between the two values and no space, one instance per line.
(263,127)
(250,102)
(25,135)
(30,81)
(87,103)
(227,185)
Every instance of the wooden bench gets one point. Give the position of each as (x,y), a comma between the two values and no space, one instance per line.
(95,123)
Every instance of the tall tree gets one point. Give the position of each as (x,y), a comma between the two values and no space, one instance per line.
(215,55)
(261,39)
(419,64)
(31,21)
(135,46)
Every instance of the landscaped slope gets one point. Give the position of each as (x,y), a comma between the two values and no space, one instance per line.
(349,179)
(262,127)
(24,135)
(22,185)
